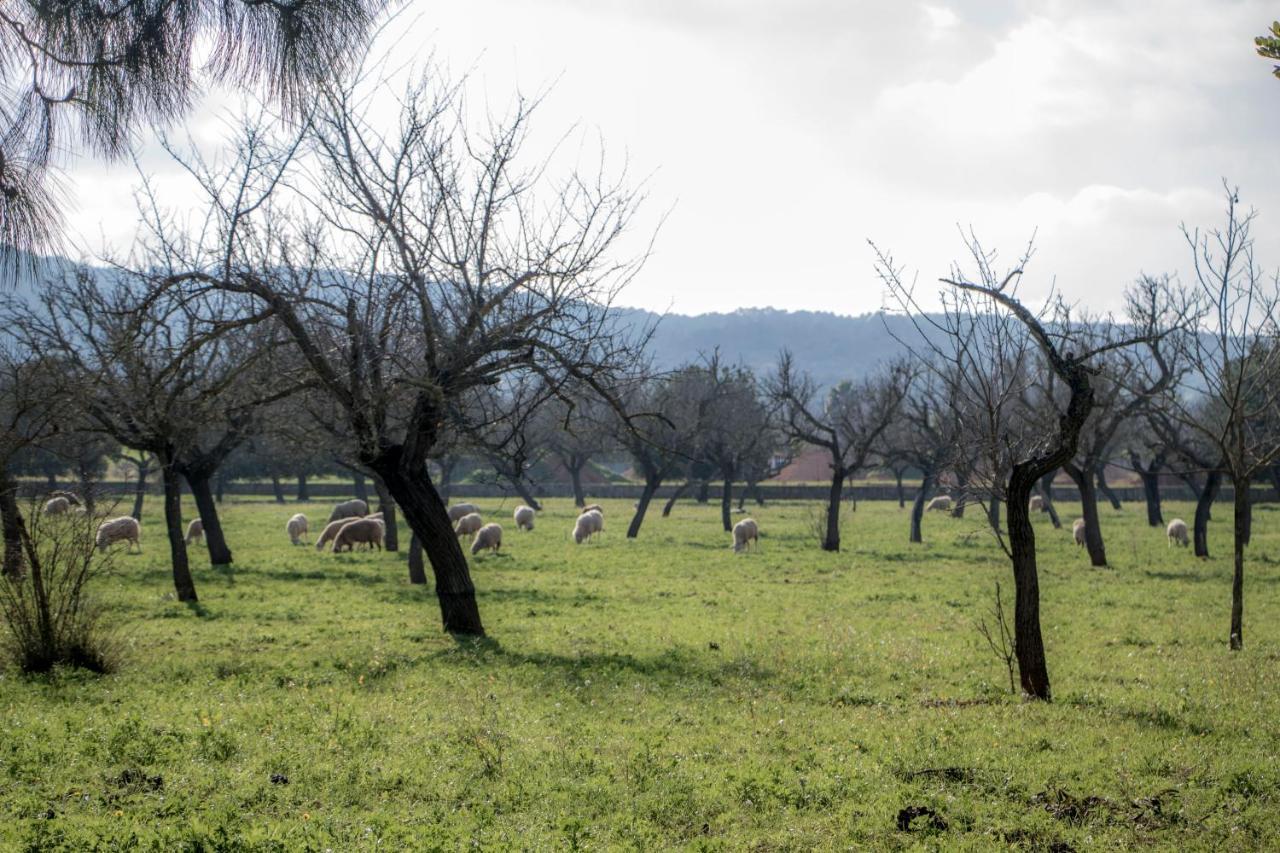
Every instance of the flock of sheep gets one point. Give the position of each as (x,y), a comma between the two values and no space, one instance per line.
(351,524)
(1176,531)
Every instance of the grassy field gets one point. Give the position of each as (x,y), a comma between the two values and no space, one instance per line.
(661,693)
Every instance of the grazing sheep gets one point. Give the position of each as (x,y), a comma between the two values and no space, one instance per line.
(296,528)
(588,523)
(1177,532)
(362,531)
(489,536)
(941,502)
(56,506)
(1036,504)
(1077,530)
(591,507)
(330,531)
(122,529)
(354,508)
(523,517)
(744,533)
(468,524)
(457,511)
(195,530)
(72,497)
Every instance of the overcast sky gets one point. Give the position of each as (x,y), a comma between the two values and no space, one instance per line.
(782,136)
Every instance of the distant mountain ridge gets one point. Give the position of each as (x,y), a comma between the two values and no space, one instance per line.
(830,347)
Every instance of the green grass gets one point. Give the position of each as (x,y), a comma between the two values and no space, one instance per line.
(661,693)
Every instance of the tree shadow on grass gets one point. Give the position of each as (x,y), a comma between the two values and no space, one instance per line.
(674,664)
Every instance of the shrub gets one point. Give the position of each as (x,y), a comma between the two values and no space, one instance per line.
(50,620)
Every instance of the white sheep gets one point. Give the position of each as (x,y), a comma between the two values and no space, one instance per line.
(1036,504)
(489,536)
(195,530)
(376,516)
(296,527)
(1177,532)
(330,531)
(523,517)
(457,511)
(354,508)
(941,502)
(591,508)
(362,531)
(468,524)
(744,533)
(588,524)
(56,506)
(1077,530)
(122,529)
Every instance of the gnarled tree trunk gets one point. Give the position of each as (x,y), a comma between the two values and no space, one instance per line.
(575,477)
(1046,492)
(675,496)
(1101,473)
(183,583)
(304,493)
(360,486)
(1089,507)
(917,507)
(215,540)
(11,521)
(417,572)
(651,485)
(140,489)
(277,488)
(427,517)
(1033,669)
(1204,503)
(831,537)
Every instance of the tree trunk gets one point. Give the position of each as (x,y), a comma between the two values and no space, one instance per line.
(962,487)
(87,490)
(831,537)
(704,491)
(575,476)
(650,487)
(220,486)
(1033,669)
(1046,492)
(11,521)
(447,464)
(1089,509)
(360,486)
(52,480)
(1237,576)
(675,496)
(1248,511)
(902,496)
(993,513)
(427,517)
(386,506)
(522,489)
(183,583)
(1105,489)
(1151,493)
(140,490)
(304,493)
(917,507)
(219,553)
(417,572)
(277,489)
(1274,471)
(726,505)
(1200,528)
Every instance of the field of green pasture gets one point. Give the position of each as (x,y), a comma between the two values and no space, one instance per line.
(661,693)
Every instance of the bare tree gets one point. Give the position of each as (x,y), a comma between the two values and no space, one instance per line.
(410,266)
(736,432)
(985,335)
(1125,380)
(848,425)
(1234,354)
(927,432)
(577,432)
(157,376)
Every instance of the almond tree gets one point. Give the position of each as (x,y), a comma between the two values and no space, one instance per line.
(985,334)
(848,424)
(1234,355)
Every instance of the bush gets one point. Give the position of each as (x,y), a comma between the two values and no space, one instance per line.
(49,618)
